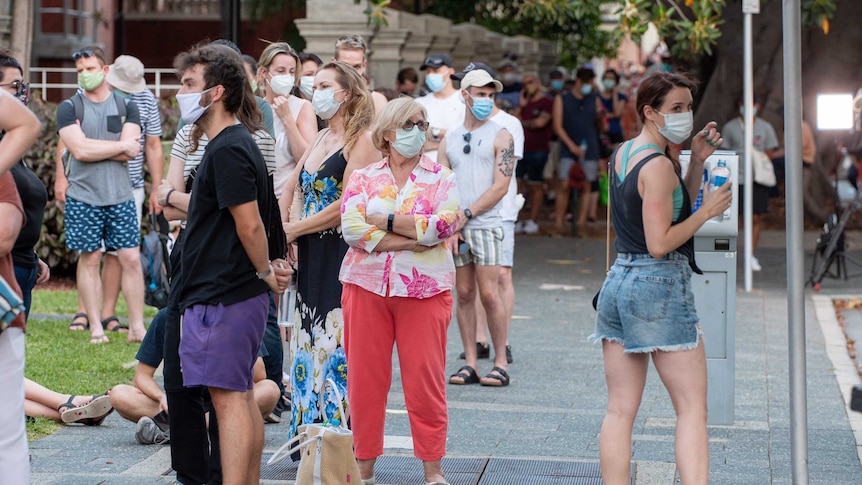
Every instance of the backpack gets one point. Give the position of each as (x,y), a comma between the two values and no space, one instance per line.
(156,267)
(78,103)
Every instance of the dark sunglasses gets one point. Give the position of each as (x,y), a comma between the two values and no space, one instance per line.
(408,125)
(82,53)
(20,86)
(467,138)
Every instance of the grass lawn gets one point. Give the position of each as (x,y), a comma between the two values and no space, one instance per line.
(65,361)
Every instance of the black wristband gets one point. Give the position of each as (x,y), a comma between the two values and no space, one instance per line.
(389,222)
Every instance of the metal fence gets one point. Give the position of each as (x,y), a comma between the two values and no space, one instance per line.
(159,80)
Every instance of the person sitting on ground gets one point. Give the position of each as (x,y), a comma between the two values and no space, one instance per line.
(144,399)
(41,402)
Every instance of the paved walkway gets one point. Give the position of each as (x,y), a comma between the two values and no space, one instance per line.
(552,412)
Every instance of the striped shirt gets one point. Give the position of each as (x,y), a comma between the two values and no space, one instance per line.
(151,125)
(182,150)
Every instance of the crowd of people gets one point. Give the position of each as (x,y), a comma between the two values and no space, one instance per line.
(374,204)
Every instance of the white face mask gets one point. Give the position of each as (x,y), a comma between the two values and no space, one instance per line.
(306,86)
(324,104)
(190,106)
(282,84)
(677,126)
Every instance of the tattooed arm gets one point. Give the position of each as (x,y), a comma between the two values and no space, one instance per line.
(504,165)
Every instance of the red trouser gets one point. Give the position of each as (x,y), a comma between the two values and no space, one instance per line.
(372,324)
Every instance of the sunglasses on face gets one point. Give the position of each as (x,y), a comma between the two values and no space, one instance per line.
(82,53)
(422,124)
(467,137)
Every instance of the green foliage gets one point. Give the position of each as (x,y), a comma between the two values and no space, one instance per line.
(52,245)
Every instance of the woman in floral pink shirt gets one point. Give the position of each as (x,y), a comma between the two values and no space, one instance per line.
(398,275)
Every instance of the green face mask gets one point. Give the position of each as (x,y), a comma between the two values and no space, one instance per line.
(122,94)
(253,85)
(91,80)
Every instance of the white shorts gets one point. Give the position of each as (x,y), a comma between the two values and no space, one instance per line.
(508,244)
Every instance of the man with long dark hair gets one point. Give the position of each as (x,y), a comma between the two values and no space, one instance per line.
(225,305)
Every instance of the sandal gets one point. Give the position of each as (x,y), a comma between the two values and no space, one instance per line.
(90,414)
(500,379)
(466,374)
(99,339)
(77,326)
(119,327)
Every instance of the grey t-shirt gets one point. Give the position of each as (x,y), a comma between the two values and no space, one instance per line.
(734,139)
(99,183)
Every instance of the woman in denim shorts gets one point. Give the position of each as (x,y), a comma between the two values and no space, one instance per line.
(646,306)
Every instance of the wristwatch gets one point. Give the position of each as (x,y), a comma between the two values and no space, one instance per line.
(265,274)
(468,214)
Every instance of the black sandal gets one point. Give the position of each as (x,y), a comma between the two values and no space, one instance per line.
(467,375)
(118,328)
(79,326)
(501,379)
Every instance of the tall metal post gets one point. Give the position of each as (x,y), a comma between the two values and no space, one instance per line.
(230,20)
(120,29)
(748,102)
(795,251)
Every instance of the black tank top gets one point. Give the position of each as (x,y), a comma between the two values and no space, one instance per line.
(627,212)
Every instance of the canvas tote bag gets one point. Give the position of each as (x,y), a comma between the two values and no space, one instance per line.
(326,450)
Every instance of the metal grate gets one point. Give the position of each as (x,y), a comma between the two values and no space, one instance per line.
(407,470)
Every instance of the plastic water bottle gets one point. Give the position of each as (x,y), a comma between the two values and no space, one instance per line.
(698,201)
(584,147)
(718,177)
(287,304)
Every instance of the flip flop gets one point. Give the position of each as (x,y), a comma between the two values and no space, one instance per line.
(467,375)
(90,414)
(119,327)
(500,379)
(76,326)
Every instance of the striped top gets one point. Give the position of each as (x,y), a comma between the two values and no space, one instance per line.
(151,125)
(182,149)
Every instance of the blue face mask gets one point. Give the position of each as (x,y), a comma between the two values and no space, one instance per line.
(409,142)
(586,89)
(558,84)
(482,107)
(435,82)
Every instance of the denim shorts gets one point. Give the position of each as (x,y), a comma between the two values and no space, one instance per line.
(646,304)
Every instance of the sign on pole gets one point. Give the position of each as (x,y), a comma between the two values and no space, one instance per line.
(750,6)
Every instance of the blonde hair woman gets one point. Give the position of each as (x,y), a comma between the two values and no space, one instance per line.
(341,98)
(294,123)
(398,278)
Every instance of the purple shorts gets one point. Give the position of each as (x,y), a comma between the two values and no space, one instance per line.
(219,343)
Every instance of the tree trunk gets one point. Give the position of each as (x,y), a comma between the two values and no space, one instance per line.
(830,63)
(22,33)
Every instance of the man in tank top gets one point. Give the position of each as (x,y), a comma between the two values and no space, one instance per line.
(482,155)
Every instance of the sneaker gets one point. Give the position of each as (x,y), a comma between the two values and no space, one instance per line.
(483,351)
(272,418)
(149,433)
(519,227)
(755,264)
(531,227)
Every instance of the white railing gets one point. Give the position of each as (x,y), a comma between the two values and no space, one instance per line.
(39,80)
(184,7)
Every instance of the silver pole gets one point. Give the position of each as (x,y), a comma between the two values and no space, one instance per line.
(795,252)
(748,103)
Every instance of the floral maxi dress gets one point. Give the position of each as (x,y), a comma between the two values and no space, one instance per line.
(318,352)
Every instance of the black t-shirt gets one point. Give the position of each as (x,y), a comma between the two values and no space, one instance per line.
(34,197)
(152,349)
(215,266)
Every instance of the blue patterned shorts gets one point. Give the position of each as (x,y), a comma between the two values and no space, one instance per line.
(88,225)
(646,304)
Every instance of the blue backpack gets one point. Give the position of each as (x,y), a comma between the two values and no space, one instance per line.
(156,266)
